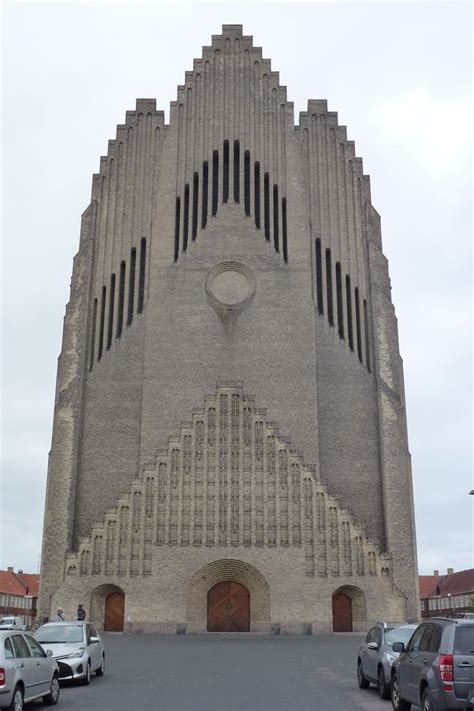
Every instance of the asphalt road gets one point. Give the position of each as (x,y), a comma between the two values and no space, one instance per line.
(219,672)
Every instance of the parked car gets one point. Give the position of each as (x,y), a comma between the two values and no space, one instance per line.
(77,648)
(435,670)
(27,672)
(376,656)
(13,623)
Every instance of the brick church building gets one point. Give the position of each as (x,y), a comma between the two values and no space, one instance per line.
(229,445)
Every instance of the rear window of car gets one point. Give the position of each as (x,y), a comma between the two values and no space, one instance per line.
(464,640)
(20,646)
(8,649)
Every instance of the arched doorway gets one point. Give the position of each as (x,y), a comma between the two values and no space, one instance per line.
(228,607)
(341,613)
(233,570)
(108,608)
(114,612)
(348,610)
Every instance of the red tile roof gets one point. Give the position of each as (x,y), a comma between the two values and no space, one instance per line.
(31,582)
(428,585)
(10,584)
(454,584)
(457,583)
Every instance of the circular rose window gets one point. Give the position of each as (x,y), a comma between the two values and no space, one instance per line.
(230,286)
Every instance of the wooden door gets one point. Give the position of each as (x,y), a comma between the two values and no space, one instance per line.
(114,612)
(341,613)
(228,608)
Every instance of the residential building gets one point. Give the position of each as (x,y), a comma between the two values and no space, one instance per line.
(19,594)
(447,595)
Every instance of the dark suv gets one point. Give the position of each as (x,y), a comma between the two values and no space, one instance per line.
(436,668)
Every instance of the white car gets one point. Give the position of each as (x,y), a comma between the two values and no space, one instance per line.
(77,648)
(12,623)
(27,672)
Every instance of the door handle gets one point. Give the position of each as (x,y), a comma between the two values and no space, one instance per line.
(22,666)
(38,664)
(425,661)
(465,664)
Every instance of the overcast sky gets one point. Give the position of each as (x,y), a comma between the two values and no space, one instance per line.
(399,75)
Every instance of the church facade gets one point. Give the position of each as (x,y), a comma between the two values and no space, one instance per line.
(229,444)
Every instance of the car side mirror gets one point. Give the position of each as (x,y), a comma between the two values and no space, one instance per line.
(372,645)
(49,652)
(94,639)
(398,647)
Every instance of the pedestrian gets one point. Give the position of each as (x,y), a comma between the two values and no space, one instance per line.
(60,617)
(81,613)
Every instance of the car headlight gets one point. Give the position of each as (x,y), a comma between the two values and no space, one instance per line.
(77,654)
(391,657)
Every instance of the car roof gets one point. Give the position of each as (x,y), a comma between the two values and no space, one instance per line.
(79,623)
(455,620)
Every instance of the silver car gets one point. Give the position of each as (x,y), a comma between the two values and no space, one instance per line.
(77,648)
(376,656)
(27,672)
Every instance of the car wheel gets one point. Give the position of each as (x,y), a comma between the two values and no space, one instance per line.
(383,687)
(426,703)
(101,670)
(52,698)
(398,703)
(361,680)
(86,680)
(17,700)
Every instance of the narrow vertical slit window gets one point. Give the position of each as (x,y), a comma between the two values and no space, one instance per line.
(195,204)
(110,326)
(284,229)
(236,171)
(366,330)
(276,221)
(131,285)
(358,326)
(141,277)
(329,287)
(225,186)
(121,300)
(186,218)
(94,327)
(102,322)
(205,193)
(176,228)
(266,204)
(247,182)
(215,181)
(257,194)
(319,277)
(340,303)
(350,332)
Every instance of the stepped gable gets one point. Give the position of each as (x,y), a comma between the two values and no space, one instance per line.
(228,479)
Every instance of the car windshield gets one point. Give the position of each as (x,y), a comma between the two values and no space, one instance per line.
(399,634)
(464,640)
(60,634)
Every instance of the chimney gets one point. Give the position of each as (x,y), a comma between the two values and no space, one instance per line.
(450,571)
(436,572)
(10,569)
